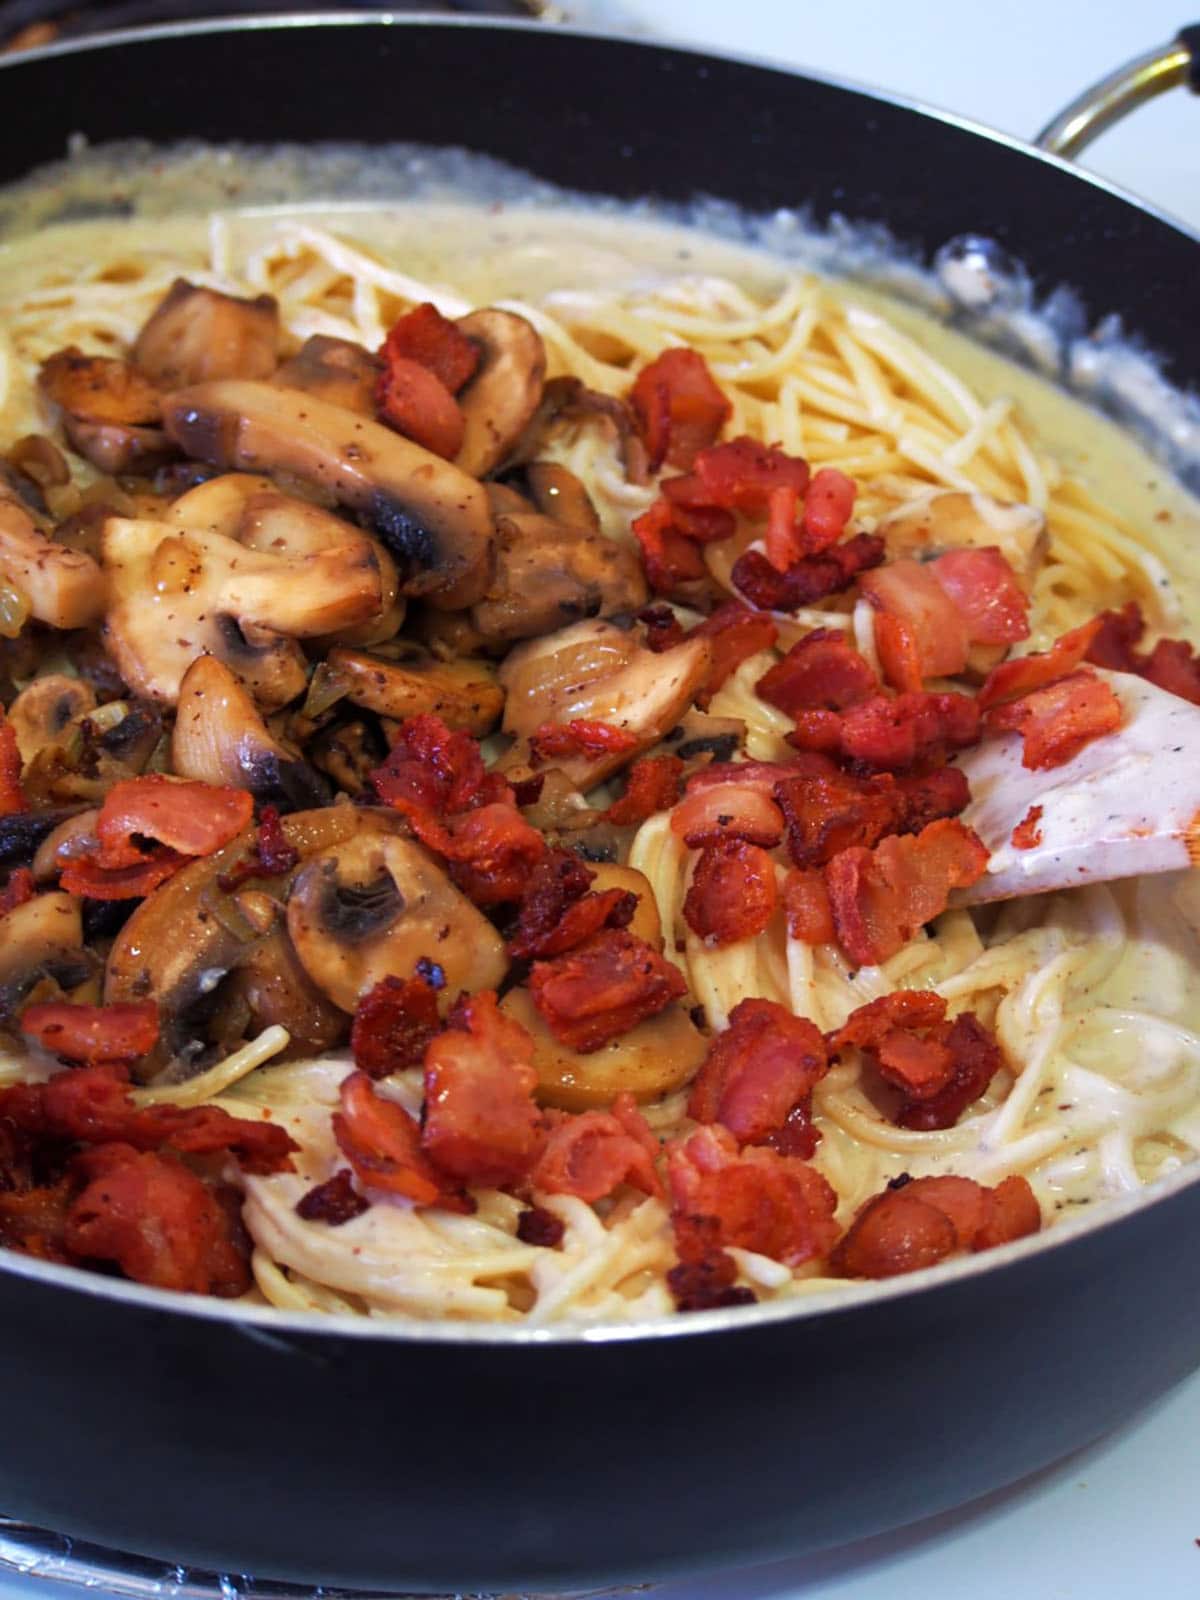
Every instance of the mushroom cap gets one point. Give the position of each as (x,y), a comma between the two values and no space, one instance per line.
(41,712)
(42,938)
(431,515)
(195,335)
(465,694)
(65,588)
(500,400)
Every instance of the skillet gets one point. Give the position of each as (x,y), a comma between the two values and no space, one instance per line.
(447,1457)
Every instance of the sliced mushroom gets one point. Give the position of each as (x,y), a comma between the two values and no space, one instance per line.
(432,516)
(272,987)
(558,493)
(64,587)
(336,370)
(99,389)
(197,335)
(562,679)
(220,737)
(373,908)
(501,399)
(506,501)
(119,448)
(42,939)
(547,575)
(73,835)
(347,751)
(657,1057)
(22,833)
(951,520)
(41,712)
(96,749)
(465,694)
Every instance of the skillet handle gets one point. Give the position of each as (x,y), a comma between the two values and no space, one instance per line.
(1172,66)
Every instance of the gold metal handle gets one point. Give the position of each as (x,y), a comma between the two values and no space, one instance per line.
(1173,66)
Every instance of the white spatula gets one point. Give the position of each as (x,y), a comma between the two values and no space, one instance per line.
(1127,804)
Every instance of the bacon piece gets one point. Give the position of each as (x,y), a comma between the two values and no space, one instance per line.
(1057,721)
(159,1222)
(987,593)
(783,540)
(806,904)
(733,893)
(869,1025)
(727,811)
(538,1226)
(12,796)
(34,1220)
(415,401)
(1174,666)
(383,1146)
(18,891)
(678,408)
(918,1222)
(830,811)
(1115,640)
(84,877)
(558,911)
(651,786)
(393,1023)
(669,559)
(911,595)
(425,336)
(1027,835)
(811,579)
(482,1124)
(430,767)
(827,507)
(740,475)
(259,1147)
(822,671)
(663,628)
(975,1060)
(735,633)
(704,1278)
(581,736)
(491,850)
(271,857)
(760,775)
(906,731)
(1012,679)
(335,1202)
(764,1065)
(775,1205)
(194,819)
(89,1034)
(602,988)
(592,1154)
(899,654)
(881,897)
(942,1066)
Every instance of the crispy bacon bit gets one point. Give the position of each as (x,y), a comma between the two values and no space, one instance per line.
(1057,721)
(881,897)
(334,1202)
(663,628)
(670,559)
(602,988)
(528,791)
(986,592)
(911,730)
(19,889)
(827,507)
(678,408)
(806,904)
(393,1023)
(592,1154)
(1027,835)
(775,1205)
(425,336)
(739,476)
(415,401)
(651,786)
(975,1060)
(431,768)
(705,1277)
(34,1220)
(581,736)
(84,877)
(758,1071)
(1172,664)
(538,1226)
(383,1146)
(558,911)
(928,1219)
(1012,679)
(811,579)
(735,633)
(481,1121)
(783,541)
(828,811)
(727,811)
(89,1034)
(491,851)
(733,893)
(271,857)
(822,672)
(12,797)
(911,595)
(159,1222)
(194,819)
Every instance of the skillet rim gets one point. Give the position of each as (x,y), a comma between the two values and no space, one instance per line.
(269,1322)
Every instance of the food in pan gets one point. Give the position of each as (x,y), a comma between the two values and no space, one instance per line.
(484,784)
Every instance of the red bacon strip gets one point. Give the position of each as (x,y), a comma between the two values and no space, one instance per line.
(828,811)
(579,737)
(335,1202)
(602,988)
(733,893)
(806,904)
(383,1146)
(731,810)
(1172,664)
(810,579)
(84,877)
(760,1070)
(910,730)
(651,786)
(431,768)
(678,408)
(12,797)
(822,672)
(414,401)
(918,1222)
(425,336)
(987,593)
(558,911)
(740,475)
(393,1023)
(1055,722)
(491,851)
(735,633)
(482,1124)
(931,623)
(89,1034)
(1012,679)
(194,819)
(669,557)
(592,1154)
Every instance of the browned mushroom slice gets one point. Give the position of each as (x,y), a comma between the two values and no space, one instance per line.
(41,940)
(336,370)
(95,749)
(99,388)
(119,447)
(657,1057)
(501,399)
(220,737)
(558,493)
(373,907)
(561,679)
(433,518)
(64,587)
(41,712)
(465,694)
(274,989)
(74,835)
(196,335)
(348,752)
(547,575)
